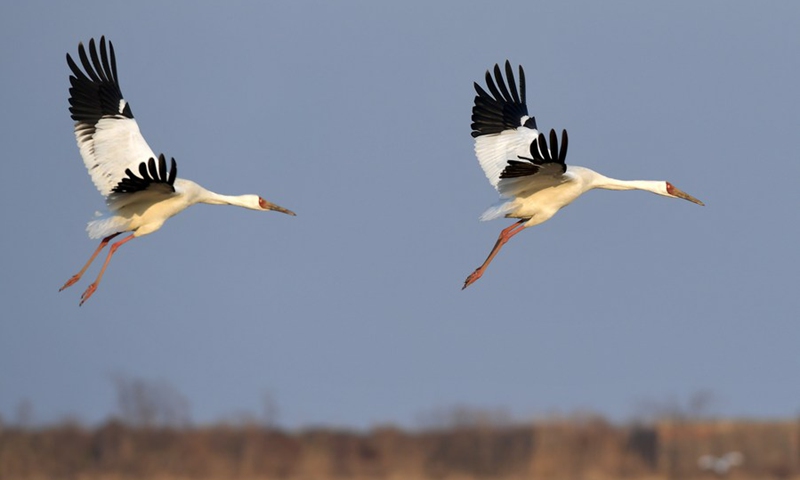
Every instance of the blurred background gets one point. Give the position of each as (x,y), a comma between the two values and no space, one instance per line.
(356,116)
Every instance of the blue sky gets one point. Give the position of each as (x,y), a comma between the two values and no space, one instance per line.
(356,116)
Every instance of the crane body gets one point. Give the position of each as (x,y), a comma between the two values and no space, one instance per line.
(532,178)
(142,191)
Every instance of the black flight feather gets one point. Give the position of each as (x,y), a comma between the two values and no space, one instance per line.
(540,157)
(503,107)
(562,156)
(150,174)
(95,91)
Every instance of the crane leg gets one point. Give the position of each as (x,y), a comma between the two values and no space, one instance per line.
(504,237)
(78,275)
(91,289)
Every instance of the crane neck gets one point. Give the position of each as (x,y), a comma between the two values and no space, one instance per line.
(213,198)
(607,183)
(197,194)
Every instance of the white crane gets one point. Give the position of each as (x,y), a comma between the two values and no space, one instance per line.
(720,465)
(113,150)
(533,180)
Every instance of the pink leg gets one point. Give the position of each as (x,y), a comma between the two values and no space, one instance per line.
(78,275)
(505,236)
(91,289)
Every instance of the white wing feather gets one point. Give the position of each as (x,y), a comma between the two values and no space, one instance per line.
(505,135)
(494,151)
(116,145)
(107,134)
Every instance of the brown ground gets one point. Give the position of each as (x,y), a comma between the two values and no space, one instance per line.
(588,448)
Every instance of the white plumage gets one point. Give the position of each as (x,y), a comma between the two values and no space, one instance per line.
(141,191)
(493,150)
(115,145)
(720,465)
(533,179)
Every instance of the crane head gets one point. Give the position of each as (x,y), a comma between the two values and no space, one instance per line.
(674,192)
(265,205)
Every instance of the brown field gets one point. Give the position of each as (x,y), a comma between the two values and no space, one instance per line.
(580,448)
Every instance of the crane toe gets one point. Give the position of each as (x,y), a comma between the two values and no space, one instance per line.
(88,293)
(72,281)
(472,278)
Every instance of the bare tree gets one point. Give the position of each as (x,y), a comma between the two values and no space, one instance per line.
(150,403)
(463,416)
(701,403)
(24,414)
(270,410)
(698,406)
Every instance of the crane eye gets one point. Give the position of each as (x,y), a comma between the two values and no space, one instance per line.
(670,189)
(262,203)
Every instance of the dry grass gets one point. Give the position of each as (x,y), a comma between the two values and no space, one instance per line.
(586,448)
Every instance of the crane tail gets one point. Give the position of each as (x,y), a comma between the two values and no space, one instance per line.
(104,227)
(498,210)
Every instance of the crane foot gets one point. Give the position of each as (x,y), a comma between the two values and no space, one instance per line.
(72,281)
(472,278)
(88,293)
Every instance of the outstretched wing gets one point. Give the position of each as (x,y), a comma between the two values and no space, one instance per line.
(107,135)
(501,126)
(152,175)
(541,158)
(544,168)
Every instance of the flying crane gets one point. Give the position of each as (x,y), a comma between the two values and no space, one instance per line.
(531,176)
(142,190)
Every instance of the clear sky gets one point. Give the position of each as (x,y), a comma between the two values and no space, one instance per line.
(356,115)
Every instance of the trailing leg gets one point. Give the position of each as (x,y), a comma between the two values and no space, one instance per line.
(91,289)
(504,237)
(78,275)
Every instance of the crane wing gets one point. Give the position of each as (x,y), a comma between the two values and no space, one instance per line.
(152,175)
(501,126)
(544,168)
(108,136)
(153,184)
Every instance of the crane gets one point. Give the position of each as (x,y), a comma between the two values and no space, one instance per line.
(532,178)
(720,465)
(114,151)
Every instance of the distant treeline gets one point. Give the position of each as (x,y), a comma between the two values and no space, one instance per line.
(588,447)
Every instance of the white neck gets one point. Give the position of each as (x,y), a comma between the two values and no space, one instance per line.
(601,181)
(197,194)
(212,198)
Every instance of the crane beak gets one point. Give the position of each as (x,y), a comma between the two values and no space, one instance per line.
(277,208)
(271,206)
(681,194)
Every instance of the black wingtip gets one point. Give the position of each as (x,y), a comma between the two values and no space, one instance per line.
(162,168)
(503,106)
(539,150)
(173,172)
(152,169)
(152,172)
(95,90)
(541,156)
(512,84)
